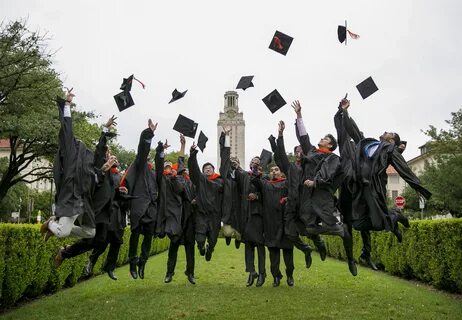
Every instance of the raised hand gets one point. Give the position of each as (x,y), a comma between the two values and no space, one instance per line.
(109,163)
(345,103)
(69,95)
(151,125)
(166,145)
(182,139)
(111,122)
(193,147)
(227,130)
(281,127)
(297,107)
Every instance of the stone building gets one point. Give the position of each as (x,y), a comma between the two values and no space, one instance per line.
(235,119)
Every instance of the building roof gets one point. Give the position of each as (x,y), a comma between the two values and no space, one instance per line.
(4,143)
(391,171)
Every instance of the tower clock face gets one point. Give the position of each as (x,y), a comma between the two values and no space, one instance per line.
(231,114)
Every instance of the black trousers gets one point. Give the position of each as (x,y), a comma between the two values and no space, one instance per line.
(111,259)
(250,257)
(173,254)
(275,259)
(84,245)
(133,246)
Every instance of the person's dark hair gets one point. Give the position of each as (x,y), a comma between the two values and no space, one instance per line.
(333,141)
(208,164)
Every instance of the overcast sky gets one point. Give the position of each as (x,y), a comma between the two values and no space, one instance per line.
(412,49)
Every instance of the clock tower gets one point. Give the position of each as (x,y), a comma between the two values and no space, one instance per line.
(235,119)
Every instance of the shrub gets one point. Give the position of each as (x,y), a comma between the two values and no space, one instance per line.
(431,251)
(26,262)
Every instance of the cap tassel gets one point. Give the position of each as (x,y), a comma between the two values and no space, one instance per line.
(353,35)
(277,43)
(142,84)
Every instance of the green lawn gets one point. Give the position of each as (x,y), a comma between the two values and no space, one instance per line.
(326,291)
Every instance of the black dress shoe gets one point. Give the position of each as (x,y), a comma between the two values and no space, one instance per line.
(290,281)
(168,278)
(237,243)
(111,274)
(352,267)
(368,262)
(228,240)
(277,282)
(141,265)
(260,280)
(251,279)
(308,259)
(133,271)
(191,278)
(88,271)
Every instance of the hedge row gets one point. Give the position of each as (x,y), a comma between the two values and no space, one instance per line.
(26,262)
(431,251)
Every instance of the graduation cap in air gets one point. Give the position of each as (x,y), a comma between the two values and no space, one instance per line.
(185,126)
(342,34)
(127,83)
(177,95)
(281,43)
(124,100)
(245,83)
(274,101)
(265,157)
(202,141)
(367,87)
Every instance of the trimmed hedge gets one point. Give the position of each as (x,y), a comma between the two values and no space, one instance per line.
(26,262)
(431,251)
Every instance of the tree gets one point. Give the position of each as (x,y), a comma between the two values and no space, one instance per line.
(28,116)
(443,177)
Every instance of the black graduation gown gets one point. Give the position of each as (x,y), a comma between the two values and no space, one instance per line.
(273,212)
(171,205)
(209,194)
(74,175)
(293,172)
(119,209)
(188,214)
(370,210)
(141,182)
(318,203)
(104,190)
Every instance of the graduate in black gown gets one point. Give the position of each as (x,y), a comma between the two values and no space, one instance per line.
(371,158)
(74,176)
(245,212)
(102,198)
(115,230)
(209,194)
(322,176)
(141,182)
(175,202)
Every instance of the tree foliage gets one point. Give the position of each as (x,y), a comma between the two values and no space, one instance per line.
(443,177)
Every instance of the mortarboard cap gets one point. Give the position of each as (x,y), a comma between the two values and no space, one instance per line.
(281,43)
(124,100)
(342,33)
(127,84)
(245,82)
(265,157)
(185,126)
(177,95)
(274,101)
(367,87)
(202,141)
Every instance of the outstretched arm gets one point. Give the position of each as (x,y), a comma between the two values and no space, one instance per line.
(194,170)
(144,145)
(300,130)
(398,162)
(348,123)
(281,150)
(225,152)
